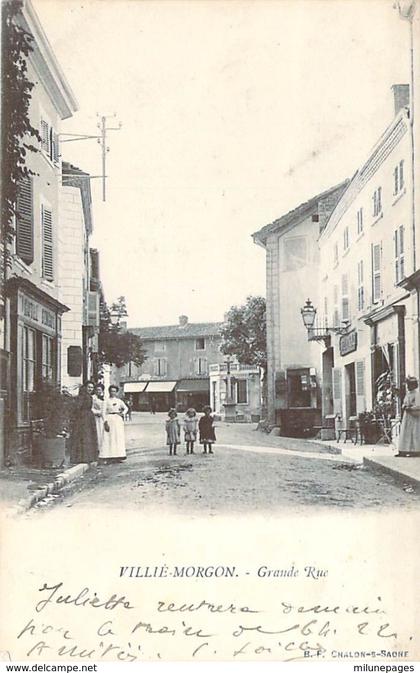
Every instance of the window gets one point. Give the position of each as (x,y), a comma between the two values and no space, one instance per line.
(346,238)
(377,202)
(336,253)
(399,177)
(49,141)
(399,254)
(160,347)
(161,367)
(200,344)
(345,310)
(336,318)
(325,311)
(47,244)
(28,359)
(299,391)
(47,357)
(241,391)
(201,366)
(25,222)
(360,220)
(360,287)
(376,271)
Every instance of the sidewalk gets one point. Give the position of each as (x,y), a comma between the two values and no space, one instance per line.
(380,458)
(22,487)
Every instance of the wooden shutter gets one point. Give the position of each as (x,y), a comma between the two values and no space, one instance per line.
(376,272)
(93,309)
(54,147)
(360,386)
(345,308)
(45,136)
(25,222)
(337,393)
(47,245)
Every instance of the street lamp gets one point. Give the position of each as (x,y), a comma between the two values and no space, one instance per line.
(308,313)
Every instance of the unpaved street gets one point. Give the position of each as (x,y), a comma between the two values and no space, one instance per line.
(265,474)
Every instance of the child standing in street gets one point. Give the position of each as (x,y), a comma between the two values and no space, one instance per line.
(190,429)
(172,431)
(206,427)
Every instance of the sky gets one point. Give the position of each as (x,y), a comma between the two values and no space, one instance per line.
(233,112)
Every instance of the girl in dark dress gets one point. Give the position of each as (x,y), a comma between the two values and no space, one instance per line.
(206,428)
(84,436)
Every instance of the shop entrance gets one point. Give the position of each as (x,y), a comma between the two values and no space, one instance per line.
(350,390)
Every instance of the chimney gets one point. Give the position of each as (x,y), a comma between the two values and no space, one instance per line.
(183,320)
(401,96)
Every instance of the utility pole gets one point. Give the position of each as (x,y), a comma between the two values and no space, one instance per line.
(102,141)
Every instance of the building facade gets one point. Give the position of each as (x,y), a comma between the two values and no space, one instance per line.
(32,317)
(176,369)
(81,291)
(294,381)
(245,390)
(367,253)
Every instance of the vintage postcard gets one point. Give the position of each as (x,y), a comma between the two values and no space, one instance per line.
(210,345)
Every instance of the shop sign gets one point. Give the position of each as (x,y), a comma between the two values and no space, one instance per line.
(34,312)
(348,343)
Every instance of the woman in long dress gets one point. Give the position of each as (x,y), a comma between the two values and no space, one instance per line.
(84,437)
(98,412)
(113,443)
(409,439)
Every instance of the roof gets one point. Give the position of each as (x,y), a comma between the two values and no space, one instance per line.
(46,64)
(298,213)
(188,331)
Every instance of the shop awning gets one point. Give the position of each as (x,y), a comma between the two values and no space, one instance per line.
(193,386)
(135,386)
(160,386)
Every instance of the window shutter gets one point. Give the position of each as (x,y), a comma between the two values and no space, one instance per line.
(45,136)
(25,222)
(360,385)
(54,147)
(337,397)
(47,245)
(74,361)
(376,272)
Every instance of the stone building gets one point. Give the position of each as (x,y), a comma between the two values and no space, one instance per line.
(32,315)
(367,265)
(79,291)
(294,380)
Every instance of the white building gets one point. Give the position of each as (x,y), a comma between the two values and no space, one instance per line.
(367,250)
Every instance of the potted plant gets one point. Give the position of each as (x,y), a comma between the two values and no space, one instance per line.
(54,409)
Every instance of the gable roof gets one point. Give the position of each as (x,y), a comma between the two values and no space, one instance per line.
(188,331)
(299,213)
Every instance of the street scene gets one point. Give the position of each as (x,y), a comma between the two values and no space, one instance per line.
(196,315)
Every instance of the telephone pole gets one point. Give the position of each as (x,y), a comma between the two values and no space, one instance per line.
(102,141)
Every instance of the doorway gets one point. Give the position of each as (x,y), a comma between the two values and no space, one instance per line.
(350,390)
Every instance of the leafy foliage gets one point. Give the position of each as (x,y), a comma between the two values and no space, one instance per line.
(55,407)
(16,128)
(116,345)
(244,333)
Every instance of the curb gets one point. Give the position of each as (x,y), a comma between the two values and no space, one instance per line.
(394,472)
(55,486)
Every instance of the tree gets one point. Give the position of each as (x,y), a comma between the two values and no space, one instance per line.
(16,128)
(116,345)
(244,333)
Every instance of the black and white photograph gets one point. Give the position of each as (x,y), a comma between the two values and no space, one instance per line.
(210,330)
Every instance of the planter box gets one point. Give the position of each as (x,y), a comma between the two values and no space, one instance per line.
(53,451)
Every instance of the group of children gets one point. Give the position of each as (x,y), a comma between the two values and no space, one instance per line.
(191,426)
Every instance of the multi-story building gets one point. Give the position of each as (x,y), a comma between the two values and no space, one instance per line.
(33,310)
(294,381)
(176,369)
(245,390)
(367,252)
(81,291)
